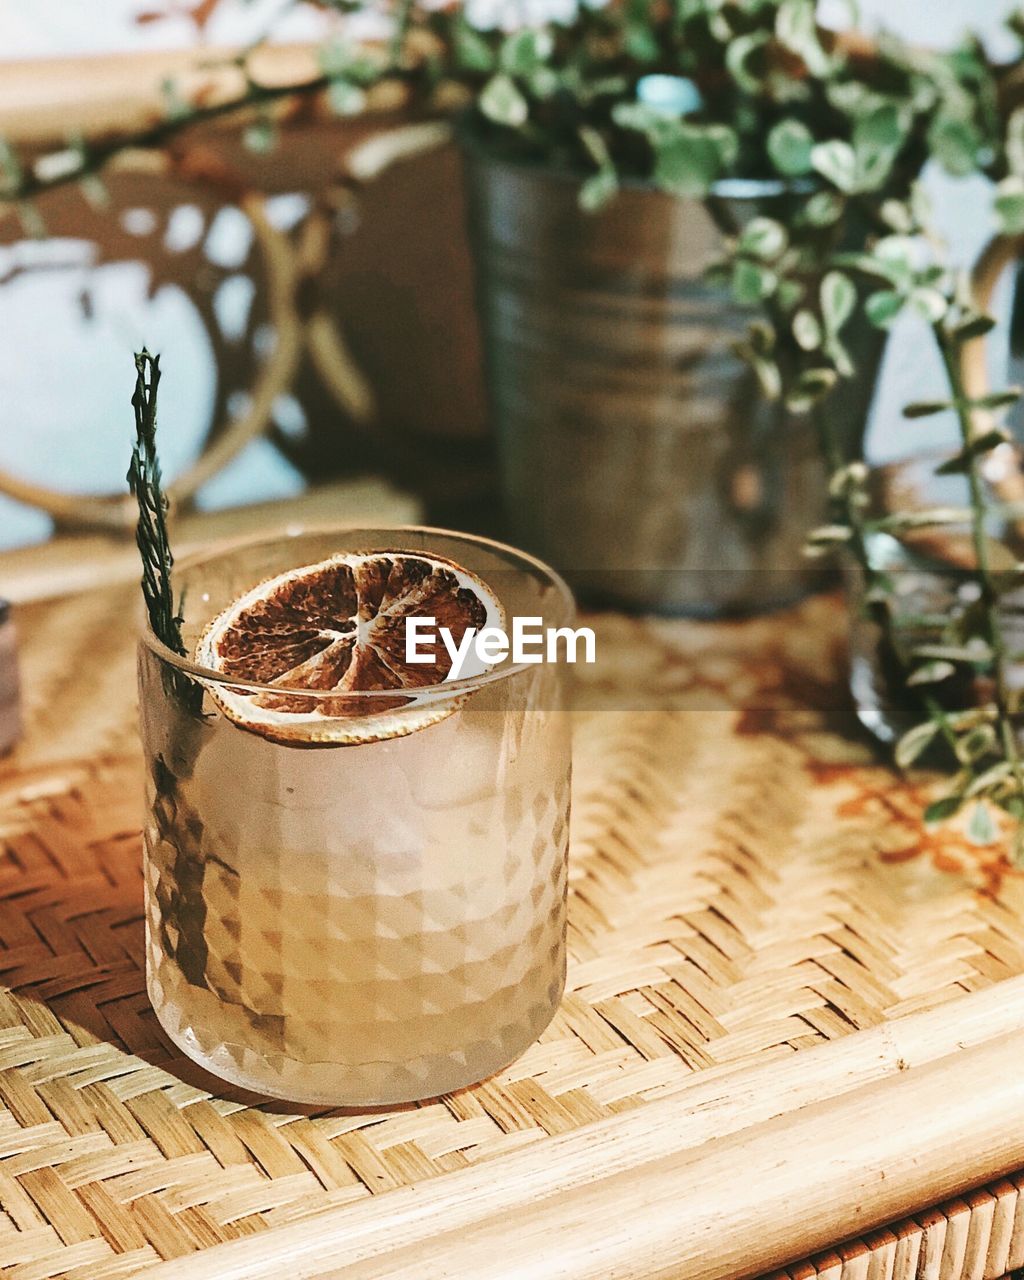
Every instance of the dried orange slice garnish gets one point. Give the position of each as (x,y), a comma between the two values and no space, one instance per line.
(338,629)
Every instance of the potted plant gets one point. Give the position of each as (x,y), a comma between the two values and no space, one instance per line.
(612,156)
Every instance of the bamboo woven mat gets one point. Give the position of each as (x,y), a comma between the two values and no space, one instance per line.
(746,881)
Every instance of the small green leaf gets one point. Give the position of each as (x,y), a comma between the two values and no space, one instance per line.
(789,148)
(869,265)
(836,162)
(847,479)
(928,517)
(817,380)
(524,51)
(1014,806)
(762,337)
(955,144)
(639,116)
(764,238)
(1015,142)
(985,714)
(688,158)
(942,809)
(930,304)
(797,28)
(976,652)
(915,742)
(31,220)
(980,827)
(640,42)
(596,147)
(260,136)
(543,83)
(472,51)
(346,99)
(877,139)
(739,60)
(769,378)
(895,254)
(883,307)
(961,461)
(811,387)
(997,399)
(831,535)
(598,189)
(725,141)
(765,369)
(925,408)
(931,673)
(176,106)
(807,330)
(898,216)
(95,191)
(823,209)
(501,101)
(751,283)
(838,299)
(976,744)
(975,326)
(991,776)
(881,129)
(839,356)
(1008,203)
(11,169)
(788,295)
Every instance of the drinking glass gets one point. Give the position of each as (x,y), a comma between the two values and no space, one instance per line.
(364,923)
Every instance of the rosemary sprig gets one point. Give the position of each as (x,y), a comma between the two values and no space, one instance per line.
(151,533)
(151,529)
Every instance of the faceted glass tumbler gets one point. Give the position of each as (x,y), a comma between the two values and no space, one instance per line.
(363,923)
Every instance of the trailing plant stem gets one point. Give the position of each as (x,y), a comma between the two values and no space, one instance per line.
(94,156)
(853,514)
(979,535)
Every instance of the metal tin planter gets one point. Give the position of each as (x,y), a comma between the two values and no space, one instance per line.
(635,451)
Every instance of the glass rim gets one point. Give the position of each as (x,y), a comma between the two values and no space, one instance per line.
(445,689)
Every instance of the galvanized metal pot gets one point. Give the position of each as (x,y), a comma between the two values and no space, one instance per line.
(636,453)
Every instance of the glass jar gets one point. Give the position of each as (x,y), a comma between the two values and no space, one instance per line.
(364,923)
(931,586)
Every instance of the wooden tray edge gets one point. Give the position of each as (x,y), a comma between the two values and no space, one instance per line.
(731,1177)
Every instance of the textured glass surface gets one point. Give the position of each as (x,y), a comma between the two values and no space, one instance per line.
(357,924)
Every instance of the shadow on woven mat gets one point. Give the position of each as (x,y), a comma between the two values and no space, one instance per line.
(72,925)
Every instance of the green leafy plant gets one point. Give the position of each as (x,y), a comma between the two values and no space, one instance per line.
(980,737)
(676,92)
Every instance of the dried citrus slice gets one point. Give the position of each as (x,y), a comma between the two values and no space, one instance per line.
(338,628)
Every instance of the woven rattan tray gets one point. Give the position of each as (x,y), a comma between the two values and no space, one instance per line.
(793,1017)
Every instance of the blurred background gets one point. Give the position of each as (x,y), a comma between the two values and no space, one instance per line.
(176,265)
